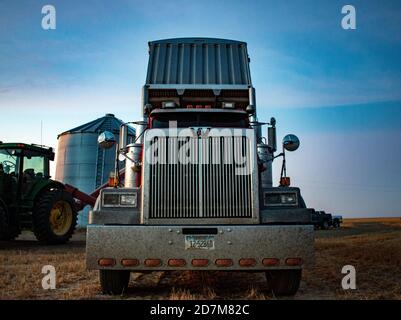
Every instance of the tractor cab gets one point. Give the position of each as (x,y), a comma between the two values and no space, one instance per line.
(29,199)
(21,167)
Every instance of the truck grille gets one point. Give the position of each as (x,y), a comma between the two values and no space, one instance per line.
(215,181)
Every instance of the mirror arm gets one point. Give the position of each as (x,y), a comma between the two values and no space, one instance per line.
(116,166)
(139,136)
(137,122)
(130,159)
(279,155)
(283,167)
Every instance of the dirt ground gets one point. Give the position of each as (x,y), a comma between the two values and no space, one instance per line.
(372,246)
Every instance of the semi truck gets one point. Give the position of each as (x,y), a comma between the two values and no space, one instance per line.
(198,191)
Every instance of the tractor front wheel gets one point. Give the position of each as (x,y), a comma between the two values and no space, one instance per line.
(8,231)
(54,217)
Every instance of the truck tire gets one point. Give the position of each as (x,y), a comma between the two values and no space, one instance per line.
(114,281)
(336,224)
(7,232)
(325,225)
(284,282)
(54,217)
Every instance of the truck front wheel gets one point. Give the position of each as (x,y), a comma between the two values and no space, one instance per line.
(114,281)
(284,282)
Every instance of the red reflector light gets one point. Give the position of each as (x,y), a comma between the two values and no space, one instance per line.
(129,262)
(176,262)
(200,262)
(224,262)
(208,106)
(106,262)
(270,262)
(248,262)
(293,262)
(199,106)
(190,106)
(153,262)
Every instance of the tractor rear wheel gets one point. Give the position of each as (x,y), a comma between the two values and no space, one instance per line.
(7,231)
(284,282)
(54,217)
(114,281)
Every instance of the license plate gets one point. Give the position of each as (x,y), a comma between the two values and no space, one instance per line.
(199,242)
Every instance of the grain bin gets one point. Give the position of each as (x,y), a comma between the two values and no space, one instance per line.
(81,162)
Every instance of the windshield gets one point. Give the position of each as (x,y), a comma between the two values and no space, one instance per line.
(204,119)
(34,166)
(8,161)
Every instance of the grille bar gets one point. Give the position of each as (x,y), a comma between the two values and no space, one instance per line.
(213,181)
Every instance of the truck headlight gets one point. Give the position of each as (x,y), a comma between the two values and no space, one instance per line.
(111,199)
(120,199)
(128,199)
(280,199)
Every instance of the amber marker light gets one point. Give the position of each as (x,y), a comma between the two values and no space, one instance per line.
(224,262)
(200,262)
(293,262)
(176,262)
(269,262)
(247,262)
(129,262)
(153,262)
(285,181)
(106,262)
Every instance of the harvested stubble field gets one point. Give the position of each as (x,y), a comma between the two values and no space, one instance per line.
(373,246)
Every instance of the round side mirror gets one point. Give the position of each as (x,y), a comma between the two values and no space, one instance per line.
(106,140)
(290,142)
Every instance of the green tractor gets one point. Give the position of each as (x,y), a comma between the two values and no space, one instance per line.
(29,199)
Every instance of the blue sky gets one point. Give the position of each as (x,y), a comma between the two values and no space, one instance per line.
(338,90)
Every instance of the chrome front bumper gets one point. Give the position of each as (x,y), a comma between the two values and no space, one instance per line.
(234,242)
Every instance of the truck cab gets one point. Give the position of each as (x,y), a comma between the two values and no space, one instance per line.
(198,191)
(322,220)
(337,221)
